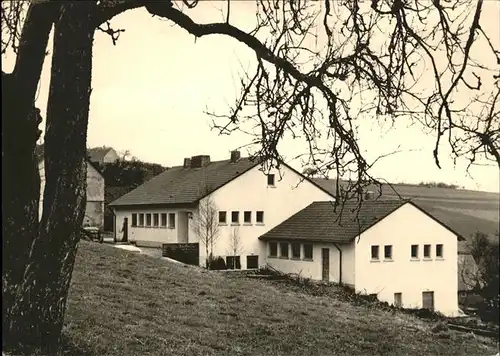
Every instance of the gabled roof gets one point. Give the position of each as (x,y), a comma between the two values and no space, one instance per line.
(97,154)
(179,185)
(319,222)
(467,272)
(40,149)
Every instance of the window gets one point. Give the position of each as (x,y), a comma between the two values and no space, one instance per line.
(414,251)
(439,250)
(252,262)
(171,220)
(270,179)
(148,219)
(296,250)
(134,219)
(284,250)
(235,217)
(273,249)
(141,219)
(427,251)
(164,219)
(156,219)
(388,252)
(247,217)
(375,252)
(308,252)
(222,217)
(398,300)
(260,217)
(233,262)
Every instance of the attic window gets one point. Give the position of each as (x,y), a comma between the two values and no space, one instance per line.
(270,180)
(375,256)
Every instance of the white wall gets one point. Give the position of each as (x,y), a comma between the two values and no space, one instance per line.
(313,269)
(152,236)
(401,229)
(250,192)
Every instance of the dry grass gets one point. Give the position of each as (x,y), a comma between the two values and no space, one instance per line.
(123,303)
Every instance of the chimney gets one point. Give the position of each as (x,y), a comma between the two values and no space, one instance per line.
(369,195)
(235,156)
(200,161)
(187,162)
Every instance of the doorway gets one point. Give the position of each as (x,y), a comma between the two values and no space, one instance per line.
(428,300)
(125,230)
(325,260)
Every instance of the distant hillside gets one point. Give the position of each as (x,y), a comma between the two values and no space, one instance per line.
(466,211)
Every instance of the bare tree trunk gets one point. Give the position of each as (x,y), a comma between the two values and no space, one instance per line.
(41,307)
(20,177)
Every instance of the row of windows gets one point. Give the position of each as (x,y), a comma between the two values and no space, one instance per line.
(247,217)
(234,262)
(295,250)
(414,252)
(427,300)
(154,220)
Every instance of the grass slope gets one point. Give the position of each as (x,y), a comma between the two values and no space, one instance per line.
(123,303)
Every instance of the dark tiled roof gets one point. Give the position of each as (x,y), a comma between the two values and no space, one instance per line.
(97,154)
(319,222)
(467,269)
(179,185)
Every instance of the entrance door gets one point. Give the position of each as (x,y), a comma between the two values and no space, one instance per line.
(125,230)
(325,270)
(428,300)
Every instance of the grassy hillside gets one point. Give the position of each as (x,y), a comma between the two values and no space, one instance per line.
(122,303)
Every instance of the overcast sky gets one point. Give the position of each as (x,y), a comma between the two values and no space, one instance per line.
(150,92)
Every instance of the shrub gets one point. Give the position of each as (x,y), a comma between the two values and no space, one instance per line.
(216,263)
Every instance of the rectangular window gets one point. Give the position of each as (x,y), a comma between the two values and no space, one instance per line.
(273,249)
(222,217)
(156,219)
(388,252)
(427,251)
(284,250)
(296,250)
(398,300)
(439,251)
(233,262)
(171,220)
(260,217)
(247,217)
(141,219)
(308,252)
(134,219)
(414,251)
(375,252)
(235,217)
(252,262)
(164,219)
(270,179)
(148,219)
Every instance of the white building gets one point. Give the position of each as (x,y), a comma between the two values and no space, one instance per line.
(94,209)
(391,248)
(247,203)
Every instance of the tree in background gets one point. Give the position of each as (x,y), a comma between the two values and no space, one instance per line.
(486,255)
(235,248)
(366,63)
(206,226)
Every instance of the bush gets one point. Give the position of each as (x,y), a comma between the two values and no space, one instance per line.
(216,263)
